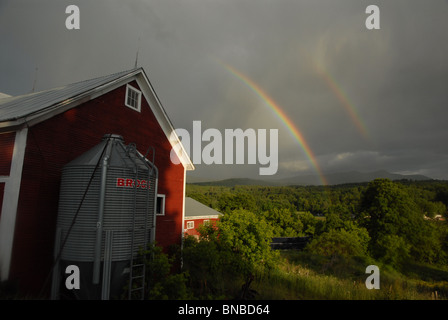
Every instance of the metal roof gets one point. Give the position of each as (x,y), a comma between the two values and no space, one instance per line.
(4,95)
(194,208)
(14,108)
(29,109)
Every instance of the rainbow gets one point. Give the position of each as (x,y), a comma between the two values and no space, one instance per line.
(343,99)
(282,116)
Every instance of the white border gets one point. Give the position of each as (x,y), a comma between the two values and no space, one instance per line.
(10,203)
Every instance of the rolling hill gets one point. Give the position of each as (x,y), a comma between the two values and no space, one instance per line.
(333,179)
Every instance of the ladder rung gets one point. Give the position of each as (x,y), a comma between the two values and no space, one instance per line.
(138,232)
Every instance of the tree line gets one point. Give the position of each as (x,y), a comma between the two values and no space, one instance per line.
(388,222)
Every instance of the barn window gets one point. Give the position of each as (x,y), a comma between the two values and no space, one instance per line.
(133,98)
(190,224)
(160,210)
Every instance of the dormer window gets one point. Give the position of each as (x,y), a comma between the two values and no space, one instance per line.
(133,98)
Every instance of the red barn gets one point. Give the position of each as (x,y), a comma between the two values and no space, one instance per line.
(43,131)
(197,214)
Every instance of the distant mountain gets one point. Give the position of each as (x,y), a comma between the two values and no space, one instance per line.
(332,179)
(238,182)
(351,177)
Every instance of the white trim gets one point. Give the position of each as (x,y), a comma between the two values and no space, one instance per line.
(163,120)
(163,204)
(190,225)
(202,217)
(139,99)
(10,203)
(183,216)
(147,91)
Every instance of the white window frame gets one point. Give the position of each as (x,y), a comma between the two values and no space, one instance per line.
(139,98)
(190,225)
(162,207)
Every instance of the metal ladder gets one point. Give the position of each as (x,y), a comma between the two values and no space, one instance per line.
(137,285)
(137,269)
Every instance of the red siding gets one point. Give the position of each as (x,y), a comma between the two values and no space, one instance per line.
(197,223)
(6,150)
(59,140)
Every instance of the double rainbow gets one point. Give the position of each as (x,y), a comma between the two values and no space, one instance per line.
(280,113)
(343,99)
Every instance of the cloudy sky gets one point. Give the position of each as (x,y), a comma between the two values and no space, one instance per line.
(360,99)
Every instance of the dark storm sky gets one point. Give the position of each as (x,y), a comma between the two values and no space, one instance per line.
(393,81)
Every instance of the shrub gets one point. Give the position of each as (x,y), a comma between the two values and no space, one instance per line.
(339,243)
(393,250)
(161,282)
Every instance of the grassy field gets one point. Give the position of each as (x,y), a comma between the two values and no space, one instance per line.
(302,276)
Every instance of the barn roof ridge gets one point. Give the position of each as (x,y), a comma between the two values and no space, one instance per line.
(16,107)
(31,108)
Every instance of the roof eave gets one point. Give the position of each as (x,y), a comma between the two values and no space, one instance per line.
(72,102)
(164,121)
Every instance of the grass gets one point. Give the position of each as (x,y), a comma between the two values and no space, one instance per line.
(302,276)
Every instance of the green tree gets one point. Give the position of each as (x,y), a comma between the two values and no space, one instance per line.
(285,223)
(248,236)
(237,247)
(387,209)
(340,243)
(395,250)
(309,223)
(210,265)
(230,201)
(160,282)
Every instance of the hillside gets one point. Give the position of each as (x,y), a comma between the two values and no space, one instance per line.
(333,179)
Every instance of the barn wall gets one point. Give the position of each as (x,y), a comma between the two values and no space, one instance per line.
(57,141)
(6,150)
(11,190)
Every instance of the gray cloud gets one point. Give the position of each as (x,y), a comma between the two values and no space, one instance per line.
(394,78)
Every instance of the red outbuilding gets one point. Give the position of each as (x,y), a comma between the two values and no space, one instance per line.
(197,214)
(41,132)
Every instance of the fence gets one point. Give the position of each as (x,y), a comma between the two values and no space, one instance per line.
(295,243)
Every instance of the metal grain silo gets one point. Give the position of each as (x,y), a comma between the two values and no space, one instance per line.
(106,215)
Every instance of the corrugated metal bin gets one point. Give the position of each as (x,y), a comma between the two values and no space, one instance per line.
(106,215)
